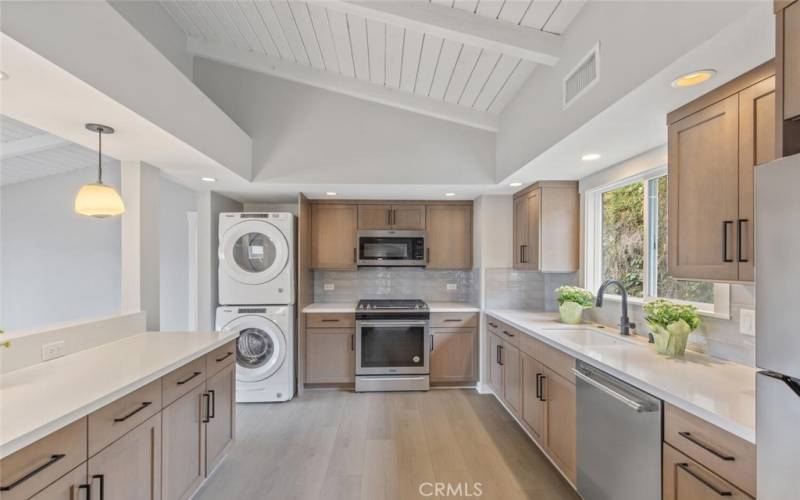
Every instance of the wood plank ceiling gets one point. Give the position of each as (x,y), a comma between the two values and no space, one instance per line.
(314,35)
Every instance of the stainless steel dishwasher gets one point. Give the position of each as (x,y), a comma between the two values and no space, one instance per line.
(618,438)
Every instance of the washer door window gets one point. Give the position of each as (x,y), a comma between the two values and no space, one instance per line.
(254,252)
(260,348)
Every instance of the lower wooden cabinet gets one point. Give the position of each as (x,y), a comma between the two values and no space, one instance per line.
(534,406)
(69,487)
(559,394)
(685,479)
(130,468)
(183,446)
(220,428)
(512,368)
(496,365)
(330,356)
(453,355)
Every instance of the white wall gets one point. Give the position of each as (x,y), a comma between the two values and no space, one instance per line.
(308,135)
(271,207)
(56,265)
(175,204)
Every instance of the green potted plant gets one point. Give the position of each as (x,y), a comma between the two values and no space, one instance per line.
(671,325)
(572,300)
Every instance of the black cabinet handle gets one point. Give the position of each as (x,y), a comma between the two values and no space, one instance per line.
(497,350)
(193,375)
(53,459)
(452,320)
(739,239)
(355,255)
(718,454)
(223,358)
(524,254)
(501,355)
(353,342)
(542,378)
(493,325)
(431,343)
(88,488)
(508,334)
(538,387)
(213,404)
(102,479)
(394,216)
(134,412)
(708,484)
(725,224)
(207,401)
(428,255)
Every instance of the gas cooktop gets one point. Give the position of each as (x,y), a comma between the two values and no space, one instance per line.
(383,305)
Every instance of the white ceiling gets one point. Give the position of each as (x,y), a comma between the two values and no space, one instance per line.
(365,43)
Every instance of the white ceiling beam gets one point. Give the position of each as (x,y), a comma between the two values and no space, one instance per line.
(33,144)
(327,80)
(459,25)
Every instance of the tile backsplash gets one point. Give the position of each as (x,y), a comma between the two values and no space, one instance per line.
(512,289)
(396,283)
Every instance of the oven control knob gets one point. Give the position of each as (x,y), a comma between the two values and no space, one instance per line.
(415,359)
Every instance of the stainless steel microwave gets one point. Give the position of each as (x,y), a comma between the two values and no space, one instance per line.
(391,248)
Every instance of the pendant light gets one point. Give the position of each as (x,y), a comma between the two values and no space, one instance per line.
(98,199)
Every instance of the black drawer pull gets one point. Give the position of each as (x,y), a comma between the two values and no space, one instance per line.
(719,454)
(134,412)
(452,320)
(509,334)
(223,358)
(53,459)
(193,375)
(328,320)
(493,325)
(706,482)
(87,487)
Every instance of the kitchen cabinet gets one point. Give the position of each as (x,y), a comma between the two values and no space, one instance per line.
(512,376)
(374,216)
(220,428)
(408,217)
(791,61)
(559,394)
(130,468)
(334,230)
(714,143)
(686,479)
(404,217)
(496,365)
(183,451)
(330,356)
(546,223)
(66,488)
(534,407)
(453,355)
(449,236)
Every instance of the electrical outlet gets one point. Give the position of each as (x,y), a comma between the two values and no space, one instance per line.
(747,322)
(329,287)
(451,287)
(53,350)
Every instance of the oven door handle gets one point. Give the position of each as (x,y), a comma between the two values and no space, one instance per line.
(390,322)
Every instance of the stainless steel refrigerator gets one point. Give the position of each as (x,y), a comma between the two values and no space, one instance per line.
(777,241)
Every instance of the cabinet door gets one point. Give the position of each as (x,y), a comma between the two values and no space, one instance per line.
(130,468)
(791,61)
(512,369)
(496,365)
(559,395)
(531,250)
(330,356)
(67,488)
(408,217)
(333,236)
(183,451)
(685,479)
(374,216)
(221,426)
(756,146)
(520,230)
(534,410)
(704,193)
(449,237)
(453,355)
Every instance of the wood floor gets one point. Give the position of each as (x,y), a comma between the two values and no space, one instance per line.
(336,445)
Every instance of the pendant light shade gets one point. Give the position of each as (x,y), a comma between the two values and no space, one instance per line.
(98,199)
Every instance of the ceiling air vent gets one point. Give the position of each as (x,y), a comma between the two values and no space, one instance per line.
(582,77)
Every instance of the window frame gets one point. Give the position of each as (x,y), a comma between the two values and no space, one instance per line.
(594,253)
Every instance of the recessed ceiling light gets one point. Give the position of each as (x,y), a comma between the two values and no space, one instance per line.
(208,179)
(449,194)
(693,78)
(590,156)
(330,193)
(515,184)
(3,76)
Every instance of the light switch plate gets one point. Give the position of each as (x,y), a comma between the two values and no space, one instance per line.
(329,287)
(747,322)
(53,350)
(452,286)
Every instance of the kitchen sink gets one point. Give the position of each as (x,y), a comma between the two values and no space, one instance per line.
(588,337)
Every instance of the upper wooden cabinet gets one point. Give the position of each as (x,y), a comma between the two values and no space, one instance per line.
(546,222)
(333,236)
(714,143)
(397,216)
(449,236)
(787,72)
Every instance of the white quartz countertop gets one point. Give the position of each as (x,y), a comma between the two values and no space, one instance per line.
(720,392)
(350,307)
(43,398)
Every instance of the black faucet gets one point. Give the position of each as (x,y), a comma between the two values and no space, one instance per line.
(624,323)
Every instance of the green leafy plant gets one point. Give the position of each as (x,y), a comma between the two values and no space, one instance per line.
(6,343)
(576,294)
(663,313)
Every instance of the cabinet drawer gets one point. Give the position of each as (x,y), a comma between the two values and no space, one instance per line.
(454,320)
(220,357)
(554,359)
(509,335)
(493,325)
(66,488)
(684,478)
(729,456)
(112,421)
(32,468)
(182,380)
(332,320)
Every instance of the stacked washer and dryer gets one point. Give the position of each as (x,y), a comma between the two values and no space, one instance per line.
(256,296)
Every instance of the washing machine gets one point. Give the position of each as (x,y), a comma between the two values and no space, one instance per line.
(256,258)
(264,351)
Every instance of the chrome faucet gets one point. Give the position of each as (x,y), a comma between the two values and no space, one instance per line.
(625,324)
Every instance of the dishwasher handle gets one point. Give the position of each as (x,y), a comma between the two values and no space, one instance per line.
(638,406)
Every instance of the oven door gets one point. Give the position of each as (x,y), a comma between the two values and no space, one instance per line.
(389,347)
(391,248)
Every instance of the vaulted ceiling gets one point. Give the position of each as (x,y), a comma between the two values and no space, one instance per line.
(456,59)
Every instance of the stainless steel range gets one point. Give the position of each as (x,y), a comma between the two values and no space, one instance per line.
(393,345)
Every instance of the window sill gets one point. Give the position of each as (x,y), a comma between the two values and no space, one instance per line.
(640,302)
